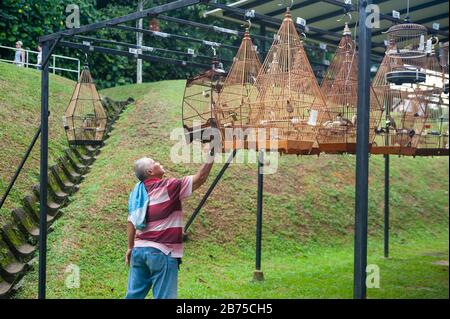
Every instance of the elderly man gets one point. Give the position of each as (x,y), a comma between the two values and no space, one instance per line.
(156,247)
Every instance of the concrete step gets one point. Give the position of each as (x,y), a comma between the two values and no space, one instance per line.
(84,159)
(73,176)
(66,186)
(16,242)
(77,166)
(25,223)
(10,267)
(30,205)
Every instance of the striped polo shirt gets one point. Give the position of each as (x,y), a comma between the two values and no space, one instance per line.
(164,229)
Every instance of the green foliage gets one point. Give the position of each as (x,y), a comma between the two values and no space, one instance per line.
(30,19)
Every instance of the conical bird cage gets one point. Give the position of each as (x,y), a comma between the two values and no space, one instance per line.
(85,118)
(340,89)
(434,139)
(231,110)
(199,100)
(286,96)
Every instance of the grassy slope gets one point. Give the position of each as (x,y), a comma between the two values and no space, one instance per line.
(308,220)
(20,93)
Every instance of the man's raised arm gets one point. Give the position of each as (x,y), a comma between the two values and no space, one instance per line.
(203,172)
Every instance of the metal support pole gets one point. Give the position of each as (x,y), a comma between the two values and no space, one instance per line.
(19,168)
(386,206)
(362,155)
(139,37)
(258,275)
(43,173)
(209,191)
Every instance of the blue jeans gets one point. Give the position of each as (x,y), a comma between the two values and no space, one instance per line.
(150,267)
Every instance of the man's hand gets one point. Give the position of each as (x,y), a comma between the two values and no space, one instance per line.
(128,257)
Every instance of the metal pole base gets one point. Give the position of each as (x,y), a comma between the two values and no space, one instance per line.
(258,275)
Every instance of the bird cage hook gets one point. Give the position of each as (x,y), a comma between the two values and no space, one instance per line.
(287,7)
(248,26)
(347,17)
(214,51)
(85,59)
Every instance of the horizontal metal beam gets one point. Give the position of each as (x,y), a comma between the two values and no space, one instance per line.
(294,7)
(425,20)
(352,8)
(174,36)
(403,11)
(146,48)
(211,27)
(123,19)
(275,23)
(145,57)
(224,30)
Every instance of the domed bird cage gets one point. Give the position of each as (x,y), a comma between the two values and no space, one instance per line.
(434,139)
(286,95)
(199,100)
(399,86)
(407,42)
(340,89)
(85,118)
(231,110)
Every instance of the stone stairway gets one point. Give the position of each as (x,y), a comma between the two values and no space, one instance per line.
(19,238)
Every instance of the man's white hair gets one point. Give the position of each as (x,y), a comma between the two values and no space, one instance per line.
(141,166)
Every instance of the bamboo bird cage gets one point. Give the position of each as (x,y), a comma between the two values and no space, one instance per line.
(286,100)
(231,110)
(434,139)
(340,89)
(200,97)
(85,119)
(400,87)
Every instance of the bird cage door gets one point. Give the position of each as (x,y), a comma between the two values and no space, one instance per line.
(200,96)
(286,99)
(231,110)
(434,139)
(340,89)
(85,118)
(400,85)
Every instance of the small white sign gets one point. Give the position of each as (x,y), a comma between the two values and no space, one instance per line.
(323,46)
(191,51)
(301,21)
(133,51)
(436,26)
(161,34)
(250,13)
(348,2)
(148,49)
(87,43)
(395,14)
(225,30)
(210,43)
(313,117)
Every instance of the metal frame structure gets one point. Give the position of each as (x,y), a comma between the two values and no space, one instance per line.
(51,41)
